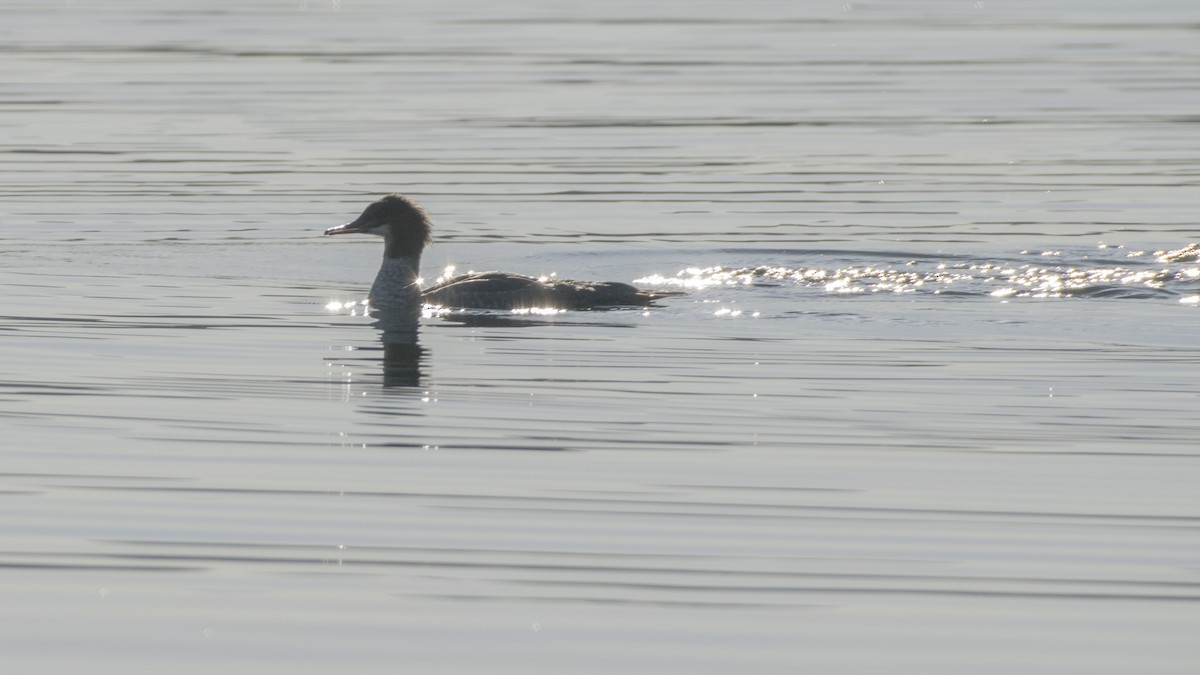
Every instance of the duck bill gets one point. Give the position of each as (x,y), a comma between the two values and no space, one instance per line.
(348,228)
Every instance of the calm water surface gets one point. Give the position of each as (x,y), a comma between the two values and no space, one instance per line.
(929,404)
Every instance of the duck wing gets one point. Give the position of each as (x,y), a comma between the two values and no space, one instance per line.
(502,290)
(489,290)
(595,294)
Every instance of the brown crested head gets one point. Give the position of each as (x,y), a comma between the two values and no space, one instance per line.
(399,220)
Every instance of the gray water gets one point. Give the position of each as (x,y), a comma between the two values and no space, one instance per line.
(929,404)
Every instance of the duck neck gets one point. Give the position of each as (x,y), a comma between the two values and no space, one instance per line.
(396,284)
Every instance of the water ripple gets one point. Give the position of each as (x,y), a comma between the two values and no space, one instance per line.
(1088,279)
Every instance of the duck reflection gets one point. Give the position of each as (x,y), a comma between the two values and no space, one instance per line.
(403,355)
(401,359)
(402,364)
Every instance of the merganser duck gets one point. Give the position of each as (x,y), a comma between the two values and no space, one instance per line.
(406,231)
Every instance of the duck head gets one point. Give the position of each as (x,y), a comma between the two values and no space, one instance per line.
(401,222)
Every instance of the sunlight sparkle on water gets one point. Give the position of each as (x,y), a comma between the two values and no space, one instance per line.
(1189,253)
(338,305)
(540,311)
(434,311)
(964,278)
